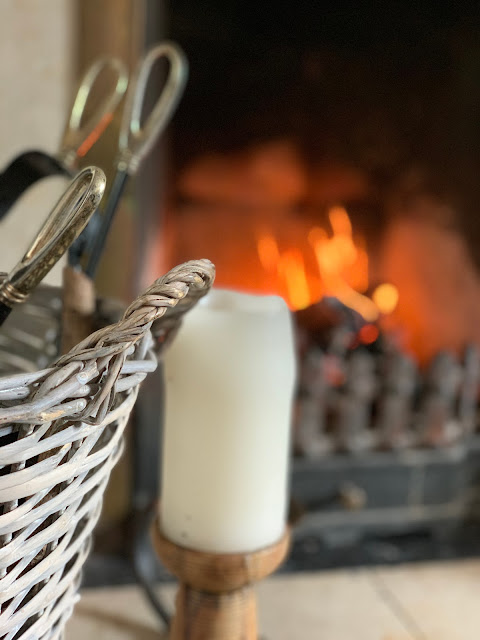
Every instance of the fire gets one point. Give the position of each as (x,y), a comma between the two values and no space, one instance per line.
(343,266)
(385,297)
(291,268)
(268,251)
(327,263)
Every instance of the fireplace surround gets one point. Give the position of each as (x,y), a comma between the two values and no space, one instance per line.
(292,112)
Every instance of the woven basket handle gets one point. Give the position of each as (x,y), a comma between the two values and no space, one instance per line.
(63,390)
(163,303)
(168,298)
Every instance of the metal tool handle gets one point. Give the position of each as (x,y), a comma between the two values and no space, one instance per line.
(65,222)
(80,135)
(136,139)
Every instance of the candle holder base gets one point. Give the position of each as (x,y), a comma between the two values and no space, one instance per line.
(216,599)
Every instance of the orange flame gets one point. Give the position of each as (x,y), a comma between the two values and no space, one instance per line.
(333,264)
(291,269)
(268,251)
(385,297)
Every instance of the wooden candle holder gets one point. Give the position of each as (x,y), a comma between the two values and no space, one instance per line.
(216,600)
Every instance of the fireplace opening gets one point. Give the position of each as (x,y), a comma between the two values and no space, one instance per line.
(330,154)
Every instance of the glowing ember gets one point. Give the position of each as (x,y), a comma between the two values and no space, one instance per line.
(368,334)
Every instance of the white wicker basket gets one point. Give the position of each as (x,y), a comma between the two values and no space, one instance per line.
(61,433)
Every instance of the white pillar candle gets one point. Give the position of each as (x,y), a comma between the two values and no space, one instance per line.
(230,377)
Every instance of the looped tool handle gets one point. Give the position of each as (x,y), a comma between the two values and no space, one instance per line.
(65,222)
(81,133)
(136,139)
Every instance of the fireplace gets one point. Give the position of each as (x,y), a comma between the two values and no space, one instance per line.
(329,155)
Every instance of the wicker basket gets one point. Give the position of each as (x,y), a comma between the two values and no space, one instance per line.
(61,433)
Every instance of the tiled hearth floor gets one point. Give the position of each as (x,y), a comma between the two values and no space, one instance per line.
(430,601)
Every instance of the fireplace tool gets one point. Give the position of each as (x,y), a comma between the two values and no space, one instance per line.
(80,135)
(135,142)
(66,221)
(29,340)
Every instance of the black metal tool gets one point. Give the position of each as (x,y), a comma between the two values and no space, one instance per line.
(135,142)
(65,222)
(81,132)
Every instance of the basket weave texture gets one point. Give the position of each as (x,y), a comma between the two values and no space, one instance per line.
(60,436)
